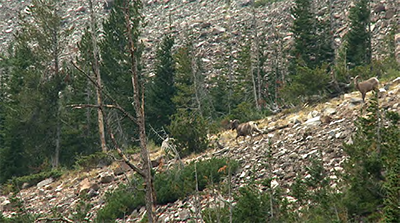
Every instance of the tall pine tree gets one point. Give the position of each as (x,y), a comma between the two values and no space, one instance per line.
(115,68)
(161,90)
(358,39)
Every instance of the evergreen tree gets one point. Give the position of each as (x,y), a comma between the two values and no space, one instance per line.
(372,167)
(188,125)
(184,81)
(313,49)
(358,39)
(161,90)
(22,147)
(47,38)
(115,67)
(304,34)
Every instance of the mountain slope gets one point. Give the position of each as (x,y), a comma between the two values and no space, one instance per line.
(280,155)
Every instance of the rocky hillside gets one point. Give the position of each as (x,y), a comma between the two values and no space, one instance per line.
(318,130)
(314,130)
(213,24)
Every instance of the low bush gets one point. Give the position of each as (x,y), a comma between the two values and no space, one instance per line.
(93,161)
(170,186)
(120,203)
(180,182)
(16,183)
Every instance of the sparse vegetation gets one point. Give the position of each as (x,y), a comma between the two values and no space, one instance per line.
(170,186)
(41,136)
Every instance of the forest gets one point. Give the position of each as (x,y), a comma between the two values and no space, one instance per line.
(59,111)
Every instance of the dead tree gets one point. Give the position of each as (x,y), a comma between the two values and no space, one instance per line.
(138,103)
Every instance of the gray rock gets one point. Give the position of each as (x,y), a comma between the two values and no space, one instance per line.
(313,121)
(45,182)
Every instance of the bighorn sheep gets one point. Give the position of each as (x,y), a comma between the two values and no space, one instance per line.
(366,86)
(244,129)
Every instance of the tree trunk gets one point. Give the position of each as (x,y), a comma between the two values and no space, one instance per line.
(138,103)
(56,157)
(96,70)
(255,52)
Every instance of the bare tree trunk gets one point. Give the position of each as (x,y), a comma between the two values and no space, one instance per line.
(256,53)
(138,102)
(196,81)
(56,156)
(230,62)
(96,69)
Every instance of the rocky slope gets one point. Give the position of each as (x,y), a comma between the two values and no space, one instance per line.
(209,21)
(308,134)
(216,29)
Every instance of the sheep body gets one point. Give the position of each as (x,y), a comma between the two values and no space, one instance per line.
(366,86)
(244,129)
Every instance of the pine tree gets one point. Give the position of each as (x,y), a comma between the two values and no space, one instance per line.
(184,81)
(115,68)
(358,39)
(372,166)
(312,50)
(188,125)
(391,158)
(161,90)
(304,33)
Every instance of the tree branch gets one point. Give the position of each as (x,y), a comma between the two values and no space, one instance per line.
(115,103)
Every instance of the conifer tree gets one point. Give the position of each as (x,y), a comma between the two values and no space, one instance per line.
(115,68)
(358,39)
(161,90)
(188,125)
(372,166)
(35,85)
(304,33)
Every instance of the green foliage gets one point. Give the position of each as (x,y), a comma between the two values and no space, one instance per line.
(180,182)
(358,38)
(391,159)
(93,161)
(161,89)
(33,179)
(170,186)
(189,129)
(120,203)
(317,201)
(252,206)
(116,65)
(372,167)
(81,211)
(306,84)
(304,32)
(247,112)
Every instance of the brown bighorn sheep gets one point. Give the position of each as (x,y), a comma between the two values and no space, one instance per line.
(366,86)
(244,129)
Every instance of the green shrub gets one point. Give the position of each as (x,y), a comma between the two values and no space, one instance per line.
(16,183)
(170,186)
(308,84)
(260,3)
(246,111)
(252,205)
(121,202)
(93,161)
(189,130)
(180,182)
